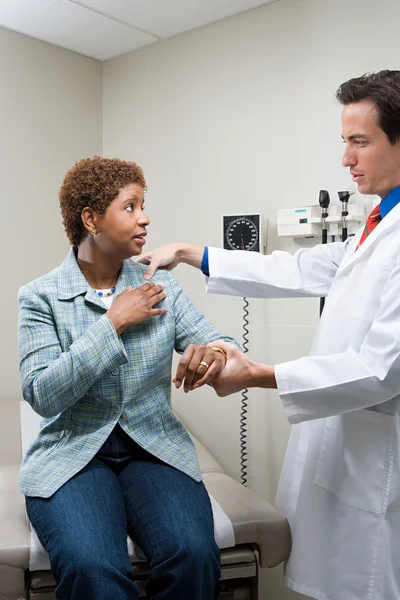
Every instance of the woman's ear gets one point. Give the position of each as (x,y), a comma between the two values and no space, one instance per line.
(88,217)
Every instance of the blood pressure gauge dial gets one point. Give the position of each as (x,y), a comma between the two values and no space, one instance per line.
(242,232)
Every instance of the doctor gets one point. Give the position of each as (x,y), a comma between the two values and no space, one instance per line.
(340,484)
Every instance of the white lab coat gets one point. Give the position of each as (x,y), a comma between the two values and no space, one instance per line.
(340,483)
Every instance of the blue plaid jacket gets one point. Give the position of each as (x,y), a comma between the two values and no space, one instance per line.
(83,379)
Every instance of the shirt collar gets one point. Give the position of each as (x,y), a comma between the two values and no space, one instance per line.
(391,200)
(72,283)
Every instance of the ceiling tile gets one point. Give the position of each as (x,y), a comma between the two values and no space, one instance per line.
(165,18)
(72,26)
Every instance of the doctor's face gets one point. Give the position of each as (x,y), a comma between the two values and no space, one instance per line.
(374,163)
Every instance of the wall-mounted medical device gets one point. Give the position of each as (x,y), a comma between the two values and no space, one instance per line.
(244,232)
(247,232)
(305,221)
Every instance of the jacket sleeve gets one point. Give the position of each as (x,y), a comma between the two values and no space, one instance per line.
(307,273)
(53,380)
(323,386)
(191,327)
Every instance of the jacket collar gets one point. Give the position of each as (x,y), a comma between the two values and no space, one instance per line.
(71,282)
(353,255)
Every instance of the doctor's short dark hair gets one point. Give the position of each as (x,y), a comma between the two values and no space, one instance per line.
(383,88)
(93,182)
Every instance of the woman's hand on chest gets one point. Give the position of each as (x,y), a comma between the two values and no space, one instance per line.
(134,306)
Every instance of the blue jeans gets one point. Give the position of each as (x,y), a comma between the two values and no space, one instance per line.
(124,489)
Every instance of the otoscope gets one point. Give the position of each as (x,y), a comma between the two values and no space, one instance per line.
(324,201)
(344,199)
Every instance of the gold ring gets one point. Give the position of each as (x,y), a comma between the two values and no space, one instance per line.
(203,362)
(216,349)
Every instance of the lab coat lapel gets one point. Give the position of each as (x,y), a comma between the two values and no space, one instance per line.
(354,255)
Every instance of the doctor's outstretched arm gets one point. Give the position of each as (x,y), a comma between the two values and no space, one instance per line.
(319,386)
(307,273)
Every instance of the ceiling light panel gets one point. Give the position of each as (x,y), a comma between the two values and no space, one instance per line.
(72,26)
(165,18)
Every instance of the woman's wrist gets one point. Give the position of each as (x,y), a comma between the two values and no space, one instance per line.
(116,321)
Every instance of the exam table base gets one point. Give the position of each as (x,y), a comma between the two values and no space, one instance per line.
(239,578)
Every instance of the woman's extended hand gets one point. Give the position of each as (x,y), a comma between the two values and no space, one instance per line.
(198,365)
(134,306)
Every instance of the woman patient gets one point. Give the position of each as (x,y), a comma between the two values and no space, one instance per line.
(111,459)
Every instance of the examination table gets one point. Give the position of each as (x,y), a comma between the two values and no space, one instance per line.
(255,531)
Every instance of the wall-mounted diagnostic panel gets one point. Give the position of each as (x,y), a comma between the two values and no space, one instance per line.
(244,232)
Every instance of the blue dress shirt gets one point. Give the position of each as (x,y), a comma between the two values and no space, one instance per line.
(204,262)
(390,202)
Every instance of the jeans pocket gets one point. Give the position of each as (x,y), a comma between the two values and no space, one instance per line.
(356,459)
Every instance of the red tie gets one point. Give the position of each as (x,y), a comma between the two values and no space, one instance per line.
(372,221)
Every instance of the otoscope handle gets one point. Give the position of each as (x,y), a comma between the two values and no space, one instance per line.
(324,201)
(344,199)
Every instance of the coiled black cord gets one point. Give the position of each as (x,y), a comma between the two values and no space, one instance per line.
(243,404)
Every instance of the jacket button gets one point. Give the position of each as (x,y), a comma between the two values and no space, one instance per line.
(115,371)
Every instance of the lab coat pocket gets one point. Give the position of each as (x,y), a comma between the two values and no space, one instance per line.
(356,459)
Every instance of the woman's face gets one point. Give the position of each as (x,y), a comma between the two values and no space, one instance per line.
(122,228)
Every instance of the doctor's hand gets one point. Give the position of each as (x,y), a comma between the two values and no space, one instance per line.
(241,372)
(197,366)
(167,257)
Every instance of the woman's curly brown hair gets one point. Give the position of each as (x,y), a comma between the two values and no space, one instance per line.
(93,182)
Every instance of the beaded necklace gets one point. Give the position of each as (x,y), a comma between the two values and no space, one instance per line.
(105,294)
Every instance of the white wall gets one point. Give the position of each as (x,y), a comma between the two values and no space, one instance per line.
(50,116)
(241,116)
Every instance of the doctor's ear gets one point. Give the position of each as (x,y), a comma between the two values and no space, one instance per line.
(89,219)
